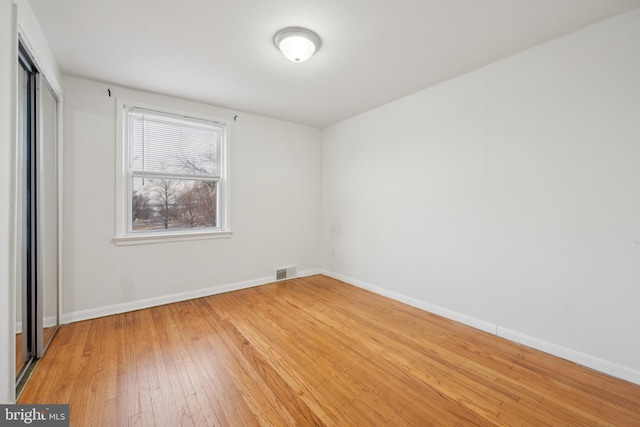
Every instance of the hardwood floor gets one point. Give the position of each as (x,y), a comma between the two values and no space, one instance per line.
(313,351)
(46,334)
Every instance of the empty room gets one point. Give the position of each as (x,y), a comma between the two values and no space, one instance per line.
(305,212)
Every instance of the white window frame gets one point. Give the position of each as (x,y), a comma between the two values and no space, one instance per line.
(124,236)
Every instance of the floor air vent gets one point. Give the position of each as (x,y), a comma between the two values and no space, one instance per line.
(286,272)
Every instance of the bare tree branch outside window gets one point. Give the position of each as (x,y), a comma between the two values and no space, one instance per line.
(175,172)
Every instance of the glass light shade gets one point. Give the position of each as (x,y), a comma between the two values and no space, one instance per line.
(297,44)
(297,49)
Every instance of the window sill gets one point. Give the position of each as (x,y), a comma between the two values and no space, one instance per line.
(145,239)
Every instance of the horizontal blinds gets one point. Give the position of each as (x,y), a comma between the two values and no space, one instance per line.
(173,145)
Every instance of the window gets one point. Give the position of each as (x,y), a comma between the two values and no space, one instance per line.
(173,176)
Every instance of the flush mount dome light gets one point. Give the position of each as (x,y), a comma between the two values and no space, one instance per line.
(296,43)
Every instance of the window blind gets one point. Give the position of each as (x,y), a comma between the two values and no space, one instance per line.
(166,144)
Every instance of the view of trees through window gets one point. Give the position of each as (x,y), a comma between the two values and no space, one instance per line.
(175,172)
(172,204)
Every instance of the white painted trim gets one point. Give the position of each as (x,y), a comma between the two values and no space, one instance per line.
(48,322)
(600,365)
(181,236)
(122,203)
(29,31)
(440,311)
(8,138)
(583,359)
(168,299)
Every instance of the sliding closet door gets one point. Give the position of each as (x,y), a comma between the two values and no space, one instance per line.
(38,281)
(47,213)
(24,291)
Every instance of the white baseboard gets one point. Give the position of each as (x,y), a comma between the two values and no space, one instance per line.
(49,321)
(597,364)
(591,362)
(93,313)
(440,311)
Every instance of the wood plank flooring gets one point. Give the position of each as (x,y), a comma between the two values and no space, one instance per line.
(313,351)
(46,336)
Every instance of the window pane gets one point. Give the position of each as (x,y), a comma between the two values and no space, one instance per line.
(174,144)
(173,204)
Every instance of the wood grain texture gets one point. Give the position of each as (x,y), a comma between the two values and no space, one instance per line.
(312,352)
(46,334)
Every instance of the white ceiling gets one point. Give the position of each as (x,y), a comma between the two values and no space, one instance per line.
(221,52)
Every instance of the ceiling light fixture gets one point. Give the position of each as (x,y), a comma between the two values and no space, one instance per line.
(296,43)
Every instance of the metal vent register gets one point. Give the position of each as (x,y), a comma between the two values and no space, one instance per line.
(286,272)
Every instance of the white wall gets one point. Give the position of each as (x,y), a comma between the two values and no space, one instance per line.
(275,182)
(16,18)
(509,197)
(7,129)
